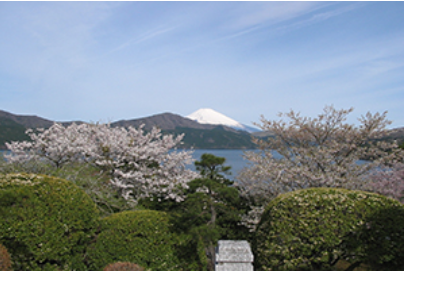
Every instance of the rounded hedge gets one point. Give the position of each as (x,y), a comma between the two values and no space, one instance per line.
(47,222)
(323,228)
(142,237)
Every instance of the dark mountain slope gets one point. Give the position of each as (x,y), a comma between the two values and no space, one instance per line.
(216,138)
(27,121)
(11,131)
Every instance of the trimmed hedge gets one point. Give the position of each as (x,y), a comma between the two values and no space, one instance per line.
(47,222)
(142,237)
(322,228)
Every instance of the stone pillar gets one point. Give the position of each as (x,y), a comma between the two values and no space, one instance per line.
(233,256)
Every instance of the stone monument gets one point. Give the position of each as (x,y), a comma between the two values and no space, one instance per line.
(233,256)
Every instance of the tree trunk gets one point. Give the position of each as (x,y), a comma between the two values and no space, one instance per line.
(213,213)
(210,254)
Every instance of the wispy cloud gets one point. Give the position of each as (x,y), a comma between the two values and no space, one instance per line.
(321,16)
(142,38)
(263,13)
(280,16)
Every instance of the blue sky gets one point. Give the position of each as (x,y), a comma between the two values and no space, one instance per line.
(106,61)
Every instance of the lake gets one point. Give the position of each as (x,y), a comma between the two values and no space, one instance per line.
(234,158)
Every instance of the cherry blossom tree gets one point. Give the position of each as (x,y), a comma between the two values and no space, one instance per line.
(140,164)
(324,151)
(388,182)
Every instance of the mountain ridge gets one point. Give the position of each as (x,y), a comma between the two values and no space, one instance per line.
(28,121)
(197,135)
(205,136)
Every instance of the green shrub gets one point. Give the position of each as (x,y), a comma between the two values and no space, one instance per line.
(380,238)
(5,259)
(314,229)
(142,237)
(47,222)
(94,183)
(123,266)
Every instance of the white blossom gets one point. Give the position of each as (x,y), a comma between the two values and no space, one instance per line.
(141,164)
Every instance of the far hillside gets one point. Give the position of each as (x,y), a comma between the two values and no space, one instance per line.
(11,131)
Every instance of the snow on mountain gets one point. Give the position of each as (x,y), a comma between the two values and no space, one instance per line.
(209,116)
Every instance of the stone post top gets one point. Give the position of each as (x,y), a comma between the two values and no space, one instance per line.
(234,252)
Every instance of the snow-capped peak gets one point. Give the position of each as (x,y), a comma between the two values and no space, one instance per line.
(209,116)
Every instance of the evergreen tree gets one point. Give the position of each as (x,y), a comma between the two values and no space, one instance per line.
(213,208)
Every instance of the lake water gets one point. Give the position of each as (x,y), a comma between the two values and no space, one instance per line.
(234,158)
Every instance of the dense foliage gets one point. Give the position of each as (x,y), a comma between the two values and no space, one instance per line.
(143,237)
(5,259)
(123,266)
(47,222)
(91,179)
(315,229)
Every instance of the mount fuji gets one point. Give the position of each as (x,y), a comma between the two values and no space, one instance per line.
(209,116)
